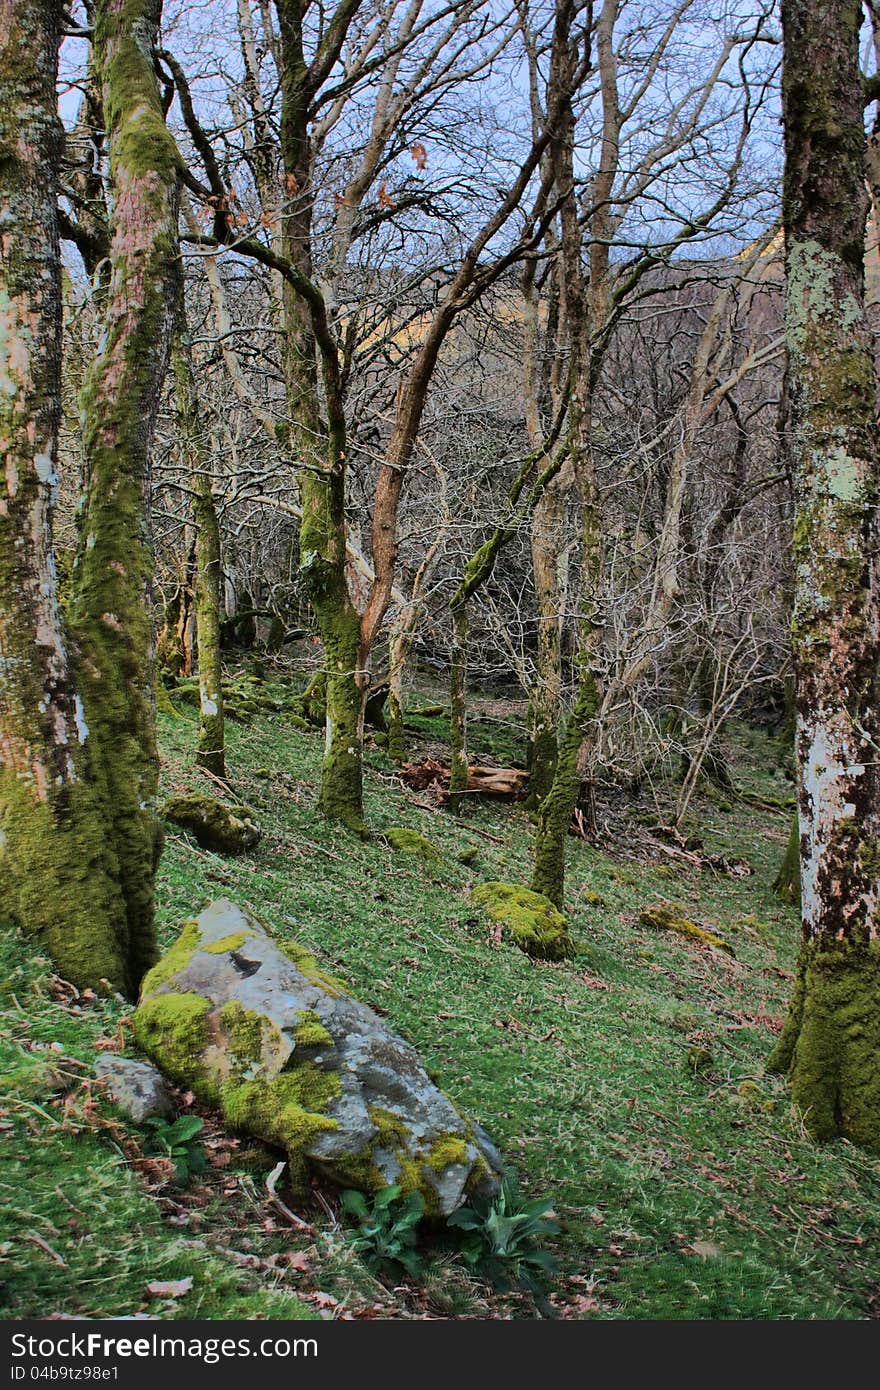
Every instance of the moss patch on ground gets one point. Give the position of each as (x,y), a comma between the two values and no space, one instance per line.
(407,841)
(667,918)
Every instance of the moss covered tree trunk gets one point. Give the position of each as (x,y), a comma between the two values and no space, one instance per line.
(787,883)
(831,1042)
(210,747)
(322,448)
(545,696)
(58,872)
(111,609)
(322,565)
(458,771)
(558,805)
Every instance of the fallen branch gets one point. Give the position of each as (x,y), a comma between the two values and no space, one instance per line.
(487,781)
(271,1183)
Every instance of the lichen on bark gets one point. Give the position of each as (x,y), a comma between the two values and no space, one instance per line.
(111,604)
(830,1041)
(59,874)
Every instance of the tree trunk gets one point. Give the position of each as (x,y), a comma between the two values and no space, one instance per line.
(832,1039)
(557,807)
(545,697)
(57,868)
(111,610)
(787,883)
(398,654)
(323,450)
(210,746)
(458,772)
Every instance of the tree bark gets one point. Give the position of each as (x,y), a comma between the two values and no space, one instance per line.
(545,697)
(210,746)
(832,1039)
(458,771)
(557,807)
(111,610)
(58,870)
(787,883)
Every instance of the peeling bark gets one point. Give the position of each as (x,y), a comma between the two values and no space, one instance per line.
(833,1036)
(58,873)
(111,610)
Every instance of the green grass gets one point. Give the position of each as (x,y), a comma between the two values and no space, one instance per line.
(79,1231)
(682,1193)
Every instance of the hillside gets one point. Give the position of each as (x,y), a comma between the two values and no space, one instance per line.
(627,1084)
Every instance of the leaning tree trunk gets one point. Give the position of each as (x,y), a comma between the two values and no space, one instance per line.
(210,745)
(831,1041)
(112,603)
(57,868)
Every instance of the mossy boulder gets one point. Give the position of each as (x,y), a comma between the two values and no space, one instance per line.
(406,841)
(669,918)
(529,919)
(216,826)
(254,1027)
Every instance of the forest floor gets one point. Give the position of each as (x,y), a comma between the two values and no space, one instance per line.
(626,1084)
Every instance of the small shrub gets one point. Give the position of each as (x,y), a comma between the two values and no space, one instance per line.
(501,1239)
(387,1230)
(176,1139)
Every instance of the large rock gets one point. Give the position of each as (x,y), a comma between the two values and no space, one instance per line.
(216,826)
(253,1026)
(138,1088)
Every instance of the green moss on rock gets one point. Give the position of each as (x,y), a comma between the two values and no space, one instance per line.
(175,1028)
(529,919)
(668,919)
(391,1131)
(406,841)
(310,1031)
(175,959)
(447,1149)
(233,942)
(288,1110)
(306,963)
(252,1038)
(216,826)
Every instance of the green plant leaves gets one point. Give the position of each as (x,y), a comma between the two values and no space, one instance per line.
(387,1230)
(177,1140)
(501,1237)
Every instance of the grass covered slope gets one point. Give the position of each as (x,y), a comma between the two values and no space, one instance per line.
(626,1083)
